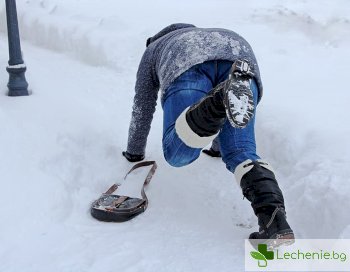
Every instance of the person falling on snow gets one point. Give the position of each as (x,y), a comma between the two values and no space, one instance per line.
(210,86)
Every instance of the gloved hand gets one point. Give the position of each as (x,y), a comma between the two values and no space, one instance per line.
(212,153)
(132,158)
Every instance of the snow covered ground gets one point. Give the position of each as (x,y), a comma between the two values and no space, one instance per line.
(61,146)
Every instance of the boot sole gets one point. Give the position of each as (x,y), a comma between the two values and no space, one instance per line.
(283,238)
(238,99)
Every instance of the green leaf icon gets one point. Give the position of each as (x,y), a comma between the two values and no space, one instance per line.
(257,255)
(260,257)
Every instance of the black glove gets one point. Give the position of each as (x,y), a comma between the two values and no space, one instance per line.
(212,153)
(132,158)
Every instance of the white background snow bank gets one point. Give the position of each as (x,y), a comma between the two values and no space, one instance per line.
(61,147)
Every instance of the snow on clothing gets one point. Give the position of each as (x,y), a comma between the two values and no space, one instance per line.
(170,53)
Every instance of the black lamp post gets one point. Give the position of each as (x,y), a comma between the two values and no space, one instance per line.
(17,84)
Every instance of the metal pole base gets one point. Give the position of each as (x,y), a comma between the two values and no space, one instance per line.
(17,84)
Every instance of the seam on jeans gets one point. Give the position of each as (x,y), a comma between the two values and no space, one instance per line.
(180,90)
(226,73)
(205,73)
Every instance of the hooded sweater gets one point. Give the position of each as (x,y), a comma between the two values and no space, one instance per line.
(171,52)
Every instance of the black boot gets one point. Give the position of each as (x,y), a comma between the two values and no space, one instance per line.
(207,116)
(260,187)
(274,229)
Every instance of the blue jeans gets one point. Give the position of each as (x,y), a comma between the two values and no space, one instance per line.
(236,145)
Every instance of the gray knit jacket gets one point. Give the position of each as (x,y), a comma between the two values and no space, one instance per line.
(171,52)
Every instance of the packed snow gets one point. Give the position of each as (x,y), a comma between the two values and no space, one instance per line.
(60,147)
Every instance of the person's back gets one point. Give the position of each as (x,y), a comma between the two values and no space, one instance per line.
(210,86)
(170,53)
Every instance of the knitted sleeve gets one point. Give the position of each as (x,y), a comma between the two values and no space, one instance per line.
(145,101)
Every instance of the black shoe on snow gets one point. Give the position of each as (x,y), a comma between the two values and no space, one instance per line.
(238,97)
(274,229)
